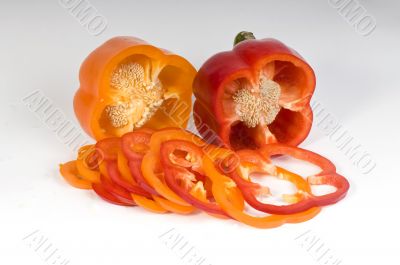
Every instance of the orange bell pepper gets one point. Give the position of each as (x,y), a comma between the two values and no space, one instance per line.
(127,83)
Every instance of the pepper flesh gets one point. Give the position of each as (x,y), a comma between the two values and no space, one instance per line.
(127,83)
(221,181)
(71,175)
(151,167)
(135,145)
(304,199)
(179,174)
(256,94)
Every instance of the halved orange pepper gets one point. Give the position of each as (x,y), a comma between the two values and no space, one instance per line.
(127,83)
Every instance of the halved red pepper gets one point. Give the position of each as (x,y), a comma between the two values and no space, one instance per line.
(304,199)
(256,94)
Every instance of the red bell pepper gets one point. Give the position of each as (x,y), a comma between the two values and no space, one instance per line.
(256,94)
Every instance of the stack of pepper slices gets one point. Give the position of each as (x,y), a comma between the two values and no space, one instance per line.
(252,103)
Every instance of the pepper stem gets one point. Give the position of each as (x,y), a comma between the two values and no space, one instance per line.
(243,35)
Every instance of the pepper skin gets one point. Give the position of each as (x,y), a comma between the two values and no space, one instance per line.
(180,173)
(256,94)
(151,166)
(304,199)
(219,184)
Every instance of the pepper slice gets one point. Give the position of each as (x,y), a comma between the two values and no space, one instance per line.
(127,83)
(327,175)
(304,199)
(151,166)
(219,184)
(180,160)
(87,162)
(115,176)
(148,204)
(120,193)
(108,148)
(109,197)
(124,170)
(256,94)
(134,145)
(71,175)
(323,163)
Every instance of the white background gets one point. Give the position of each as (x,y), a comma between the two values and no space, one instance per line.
(41,48)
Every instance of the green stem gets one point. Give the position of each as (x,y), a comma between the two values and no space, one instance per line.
(242,36)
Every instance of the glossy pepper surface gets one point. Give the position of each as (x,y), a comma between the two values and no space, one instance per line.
(127,83)
(256,94)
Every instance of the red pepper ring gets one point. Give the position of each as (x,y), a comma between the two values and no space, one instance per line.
(109,197)
(221,181)
(338,181)
(136,172)
(323,163)
(135,144)
(178,158)
(327,175)
(113,191)
(307,199)
(112,169)
(108,148)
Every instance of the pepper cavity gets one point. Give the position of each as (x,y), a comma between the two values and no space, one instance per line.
(138,96)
